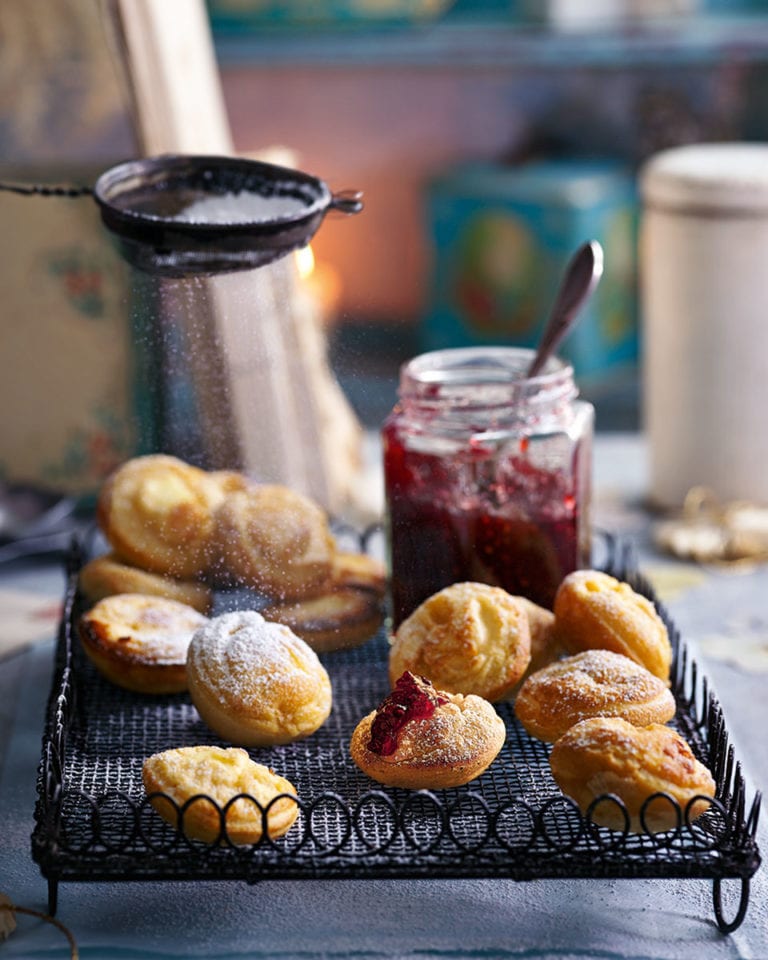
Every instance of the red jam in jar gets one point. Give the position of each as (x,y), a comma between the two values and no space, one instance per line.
(487,475)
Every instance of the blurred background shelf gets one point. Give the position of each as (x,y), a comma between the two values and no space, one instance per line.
(391,106)
(461,42)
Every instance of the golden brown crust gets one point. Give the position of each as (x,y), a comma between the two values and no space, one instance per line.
(228,481)
(341,618)
(595,683)
(596,611)
(467,638)
(274,540)
(455,745)
(221,774)
(140,642)
(156,512)
(106,575)
(609,755)
(545,648)
(256,683)
(359,570)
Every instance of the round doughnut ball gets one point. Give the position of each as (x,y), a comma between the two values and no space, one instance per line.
(275,540)
(256,683)
(467,638)
(595,683)
(156,512)
(610,755)
(594,610)
(221,773)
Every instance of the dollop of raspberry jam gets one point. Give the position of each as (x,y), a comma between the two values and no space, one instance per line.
(413,698)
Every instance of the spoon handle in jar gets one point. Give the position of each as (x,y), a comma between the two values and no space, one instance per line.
(579,281)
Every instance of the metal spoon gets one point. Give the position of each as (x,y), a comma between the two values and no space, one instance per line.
(579,281)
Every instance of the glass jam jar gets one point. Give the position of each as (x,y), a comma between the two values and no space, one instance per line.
(487,475)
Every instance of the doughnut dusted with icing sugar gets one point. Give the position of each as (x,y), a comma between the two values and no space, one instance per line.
(106,575)
(595,610)
(467,638)
(340,618)
(275,540)
(453,746)
(610,755)
(256,683)
(595,683)
(140,642)
(156,513)
(220,773)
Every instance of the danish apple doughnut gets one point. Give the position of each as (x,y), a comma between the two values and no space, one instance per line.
(594,610)
(140,642)
(467,638)
(256,683)
(107,575)
(274,540)
(423,738)
(339,618)
(609,755)
(156,513)
(221,773)
(595,683)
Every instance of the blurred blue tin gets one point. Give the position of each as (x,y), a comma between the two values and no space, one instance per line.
(502,236)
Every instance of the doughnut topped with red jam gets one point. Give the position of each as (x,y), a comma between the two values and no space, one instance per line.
(422,738)
(414,698)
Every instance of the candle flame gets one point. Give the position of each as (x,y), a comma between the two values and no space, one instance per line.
(305,262)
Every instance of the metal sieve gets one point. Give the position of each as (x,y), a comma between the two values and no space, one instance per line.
(178,216)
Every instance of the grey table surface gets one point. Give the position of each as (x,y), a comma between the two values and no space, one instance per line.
(724,618)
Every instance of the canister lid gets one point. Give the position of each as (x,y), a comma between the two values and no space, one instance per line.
(570,183)
(702,178)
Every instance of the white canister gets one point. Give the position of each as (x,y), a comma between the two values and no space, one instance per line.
(704,299)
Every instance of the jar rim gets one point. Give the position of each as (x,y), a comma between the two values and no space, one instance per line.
(454,370)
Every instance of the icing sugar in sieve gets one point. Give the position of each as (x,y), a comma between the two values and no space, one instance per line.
(240,208)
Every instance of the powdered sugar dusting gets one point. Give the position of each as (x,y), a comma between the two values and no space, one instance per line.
(593,680)
(247,659)
(457,733)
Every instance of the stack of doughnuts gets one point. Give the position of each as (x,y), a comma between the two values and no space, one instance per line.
(180,532)
(176,535)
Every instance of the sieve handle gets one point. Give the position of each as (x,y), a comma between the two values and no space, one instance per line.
(43,190)
(347,201)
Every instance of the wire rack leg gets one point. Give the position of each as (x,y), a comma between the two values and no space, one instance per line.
(53,897)
(724,925)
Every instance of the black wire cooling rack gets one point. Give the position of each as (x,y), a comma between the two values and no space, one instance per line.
(94,822)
